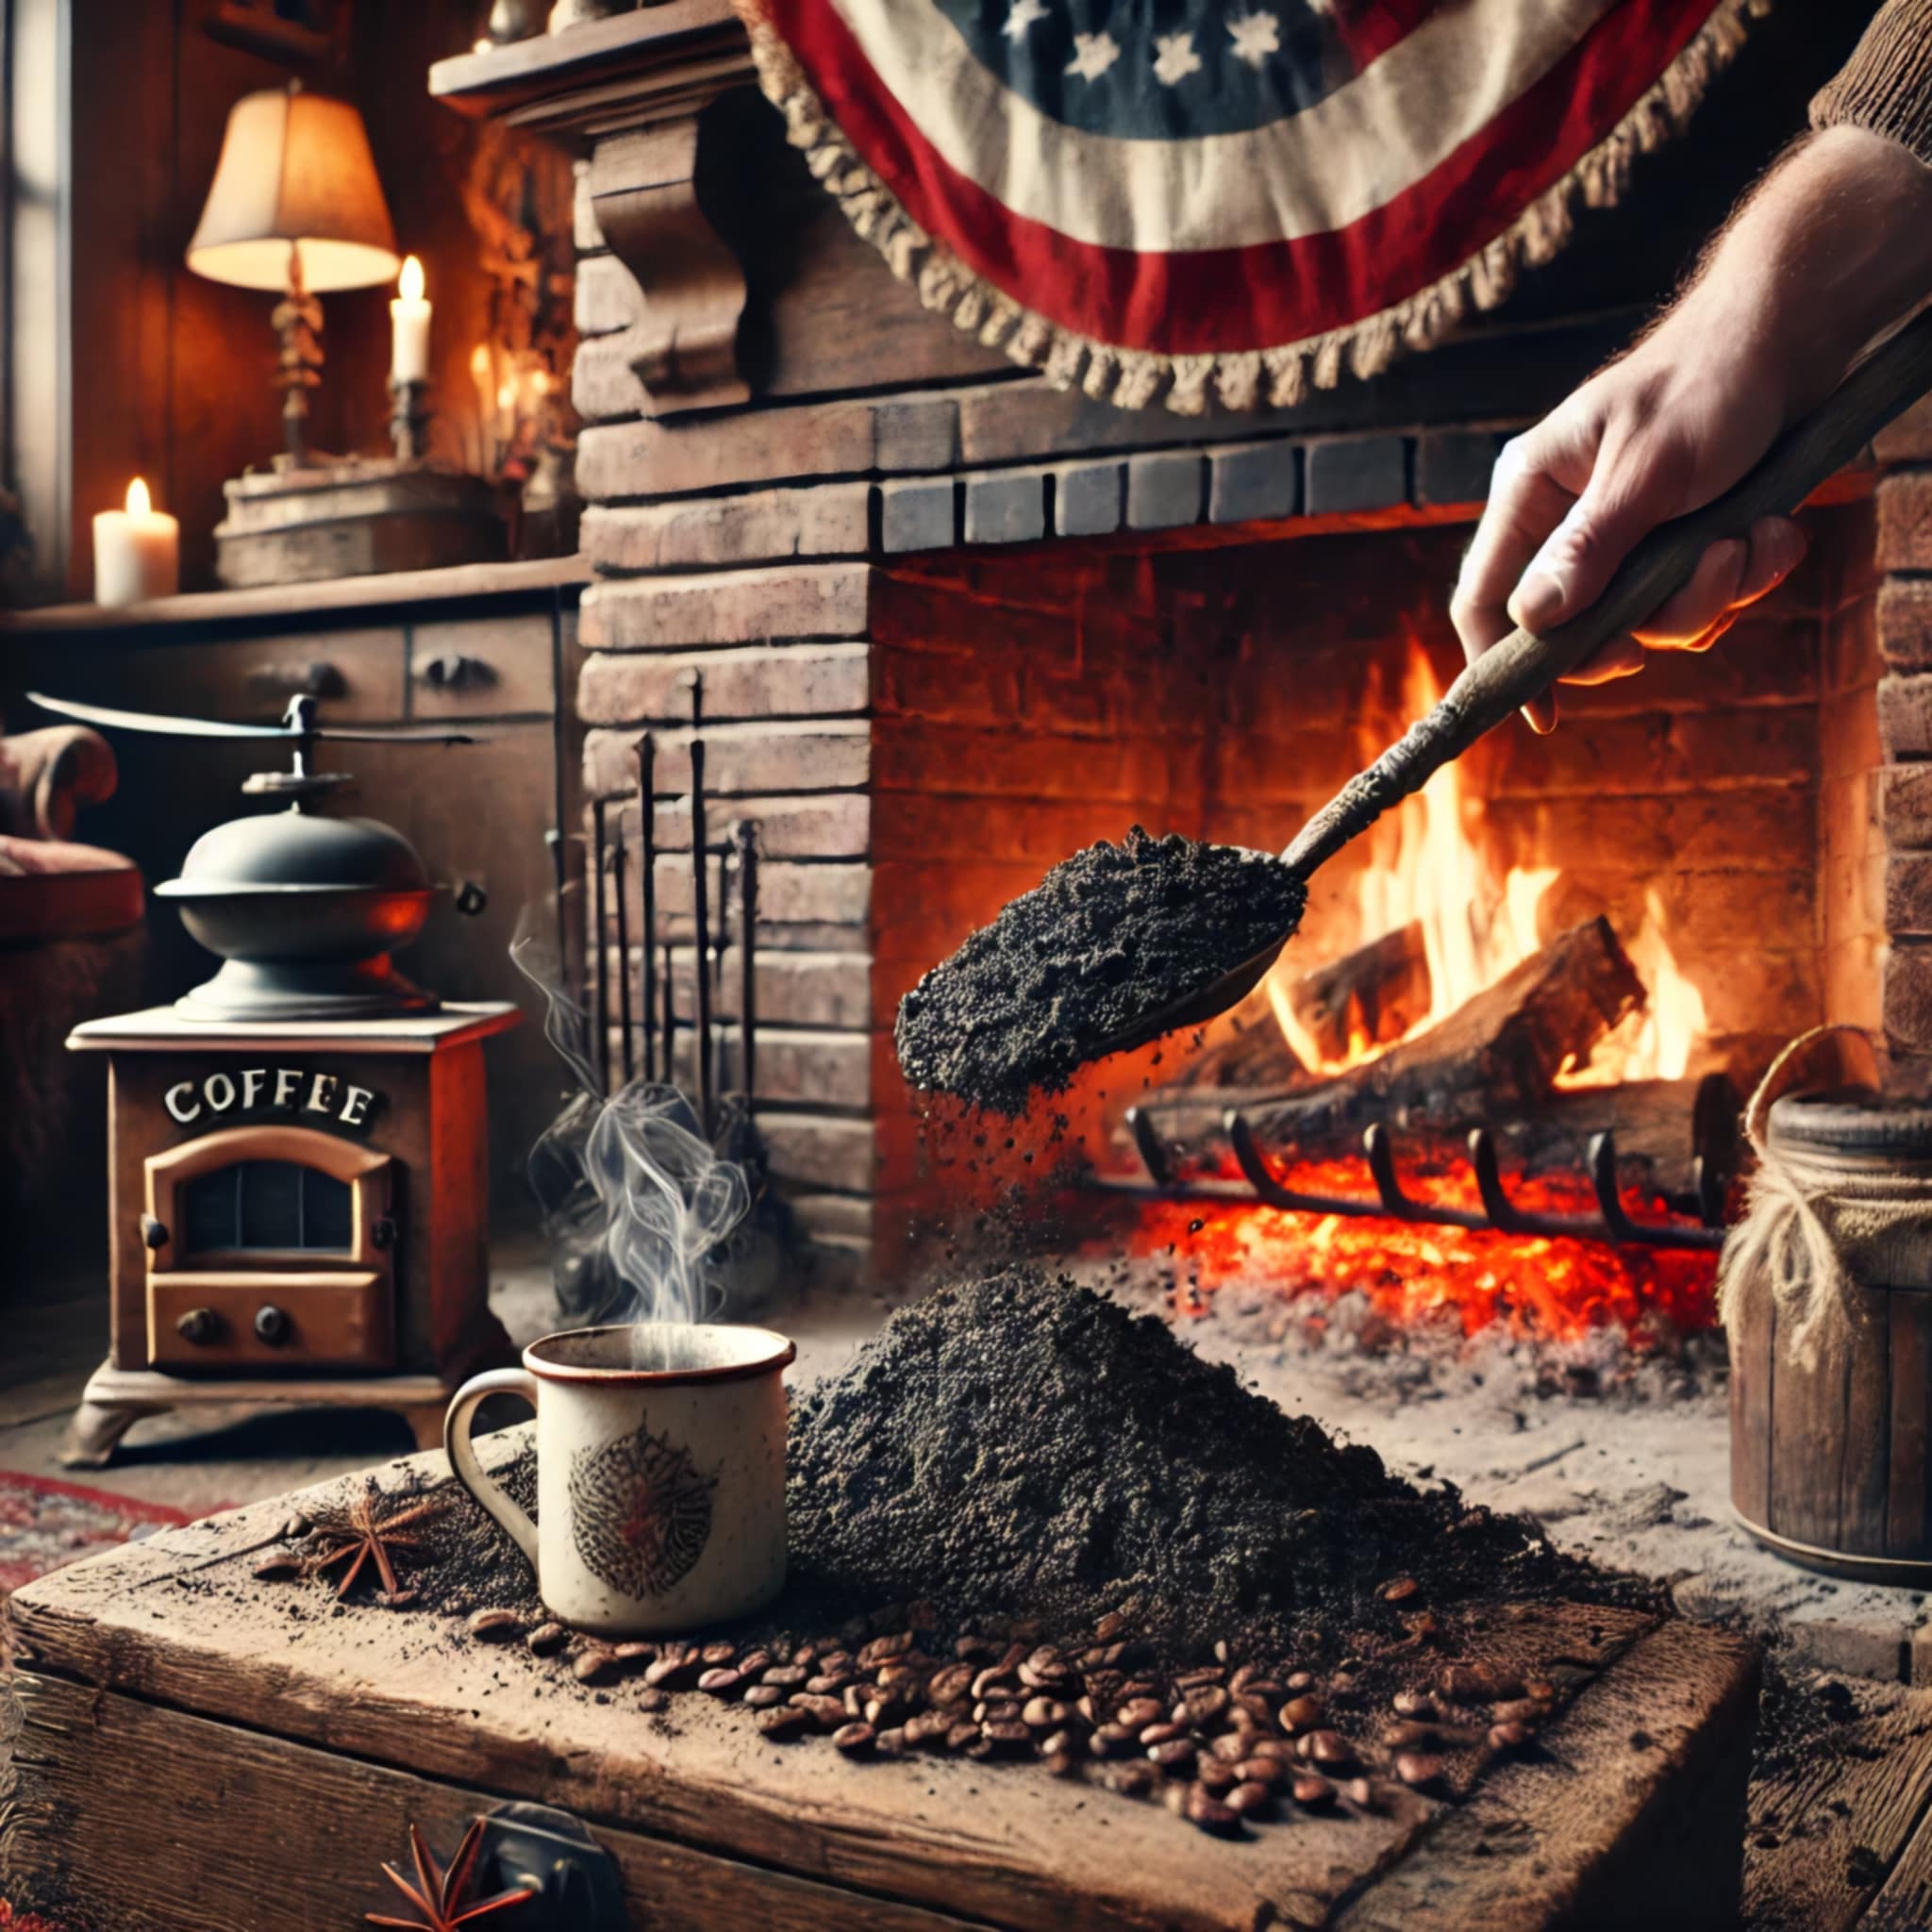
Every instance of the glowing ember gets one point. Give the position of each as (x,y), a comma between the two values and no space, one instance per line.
(1552,1289)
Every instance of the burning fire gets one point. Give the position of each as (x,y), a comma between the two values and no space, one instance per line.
(1429,866)
(1554,1289)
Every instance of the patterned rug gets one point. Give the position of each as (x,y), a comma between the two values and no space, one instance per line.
(45,1524)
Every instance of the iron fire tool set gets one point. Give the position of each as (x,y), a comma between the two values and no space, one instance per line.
(297,1151)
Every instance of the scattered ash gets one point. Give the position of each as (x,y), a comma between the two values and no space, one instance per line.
(1021,1445)
(1803,1718)
(1109,937)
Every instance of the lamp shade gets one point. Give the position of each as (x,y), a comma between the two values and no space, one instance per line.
(294,167)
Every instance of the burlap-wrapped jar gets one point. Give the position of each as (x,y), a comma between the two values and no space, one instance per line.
(1825,1292)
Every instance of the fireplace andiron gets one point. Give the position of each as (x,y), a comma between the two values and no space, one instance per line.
(298,1148)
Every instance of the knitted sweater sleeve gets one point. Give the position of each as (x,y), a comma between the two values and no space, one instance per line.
(1887,85)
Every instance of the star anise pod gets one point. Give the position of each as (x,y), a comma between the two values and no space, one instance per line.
(362,1536)
(439,1895)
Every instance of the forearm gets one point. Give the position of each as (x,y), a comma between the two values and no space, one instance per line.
(1832,247)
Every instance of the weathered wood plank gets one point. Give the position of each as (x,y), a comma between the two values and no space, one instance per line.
(1825,1834)
(228,1855)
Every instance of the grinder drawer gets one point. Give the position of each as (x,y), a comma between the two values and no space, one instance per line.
(278,1321)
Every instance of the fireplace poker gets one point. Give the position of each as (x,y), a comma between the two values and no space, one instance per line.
(1521,667)
(600,1037)
(622,872)
(744,836)
(700,870)
(647,867)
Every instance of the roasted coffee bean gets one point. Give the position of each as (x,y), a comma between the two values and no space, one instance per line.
(653,1700)
(784,1720)
(1511,1735)
(882,1650)
(1139,1711)
(723,1683)
(855,1700)
(828,1683)
(1133,1779)
(1208,1673)
(1249,1800)
(975,1649)
(716,1655)
(1261,1771)
(962,1733)
(805,1654)
(396,1599)
(1306,1788)
(853,1738)
(1358,1790)
(1230,1747)
(1059,1741)
(590,1666)
(1111,1741)
(1278,1748)
(676,1666)
(950,1684)
(1416,1704)
(1518,1710)
(1301,1714)
(1407,1735)
(1205,1812)
(927,1731)
(1141,1686)
(296,1527)
(1400,1591)
(1012,1657)
(1217,1776)
(1174,1795)
(1174,1756)
(787,1676)
(1054,1677)
(883,1712)
(1046,1658)
(1111,1627)
(1163,1733)
(1328,1748)
(1201,1705)
(494,1626)
(991,1682)
(1478,1683)
(1538,1688)
(285,1565)
(901,1678)
(1244,1676)
(1299,1681)
(1009,1737)
(764,1696)
(835,1659)
(827,1714)
(1061,1764)
(1004,1710)
(630,1655)
(1044,1713)
(890,1743)
(1266,1689)
(1418,1767)
(546,1638)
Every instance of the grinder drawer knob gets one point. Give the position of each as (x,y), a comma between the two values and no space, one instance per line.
(197,1325)
(272,1324)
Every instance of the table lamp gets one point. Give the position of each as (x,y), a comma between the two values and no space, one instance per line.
(296,206)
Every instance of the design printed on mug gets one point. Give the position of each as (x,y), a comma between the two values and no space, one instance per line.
(640,1512)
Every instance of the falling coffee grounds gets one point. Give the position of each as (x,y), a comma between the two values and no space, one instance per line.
(1104,942)
(1021,1445)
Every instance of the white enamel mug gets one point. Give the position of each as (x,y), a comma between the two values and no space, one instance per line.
(660,1471)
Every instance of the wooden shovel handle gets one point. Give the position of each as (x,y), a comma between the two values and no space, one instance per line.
(1525,666)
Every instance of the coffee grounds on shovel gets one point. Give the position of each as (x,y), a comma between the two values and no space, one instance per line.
(1107,939)
(1021,1445)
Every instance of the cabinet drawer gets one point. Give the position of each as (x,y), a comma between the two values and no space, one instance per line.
(208,1321)
(500,667)
(355,675)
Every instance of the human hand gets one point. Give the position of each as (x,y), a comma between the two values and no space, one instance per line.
(1815,265)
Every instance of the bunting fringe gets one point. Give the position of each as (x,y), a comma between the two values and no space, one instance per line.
(1247,379)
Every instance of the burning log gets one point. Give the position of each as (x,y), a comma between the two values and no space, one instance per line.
(1494,1058)
(1368,998)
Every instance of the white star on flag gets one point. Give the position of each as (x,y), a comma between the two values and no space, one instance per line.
(1021,16)
(1175,59)
(1093,53)
(1256,37)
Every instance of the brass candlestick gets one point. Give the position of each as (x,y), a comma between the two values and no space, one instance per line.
(409,423)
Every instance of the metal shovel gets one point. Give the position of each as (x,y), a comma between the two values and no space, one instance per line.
(1523,665)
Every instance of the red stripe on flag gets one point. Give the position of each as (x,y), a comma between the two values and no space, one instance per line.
(1221,300)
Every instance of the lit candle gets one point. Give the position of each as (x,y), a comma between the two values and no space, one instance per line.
(409,314)
(137,551)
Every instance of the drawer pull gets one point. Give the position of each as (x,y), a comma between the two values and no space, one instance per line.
(317,678)
(198,1324)
(272,1325)
(458,673)
(154,1234)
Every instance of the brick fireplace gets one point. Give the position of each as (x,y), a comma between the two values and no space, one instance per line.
(947,624)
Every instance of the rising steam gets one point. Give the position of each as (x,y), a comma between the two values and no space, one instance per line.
(636,1200)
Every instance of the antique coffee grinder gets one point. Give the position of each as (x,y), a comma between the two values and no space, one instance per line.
(297,1149)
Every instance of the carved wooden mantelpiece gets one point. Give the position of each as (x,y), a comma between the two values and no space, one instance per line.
(635,87)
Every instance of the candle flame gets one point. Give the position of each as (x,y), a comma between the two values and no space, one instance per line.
(409,283)
(139,502)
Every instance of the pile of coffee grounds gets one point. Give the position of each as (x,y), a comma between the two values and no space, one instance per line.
(1020,1444)
(1106,941)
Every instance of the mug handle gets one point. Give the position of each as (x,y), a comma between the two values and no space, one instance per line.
(461,1452)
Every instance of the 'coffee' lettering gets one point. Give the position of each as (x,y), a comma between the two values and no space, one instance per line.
(276,1090)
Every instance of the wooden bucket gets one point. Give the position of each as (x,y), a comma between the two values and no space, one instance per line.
(1832,1466)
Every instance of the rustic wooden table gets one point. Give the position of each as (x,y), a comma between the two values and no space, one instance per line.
(191,1751)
